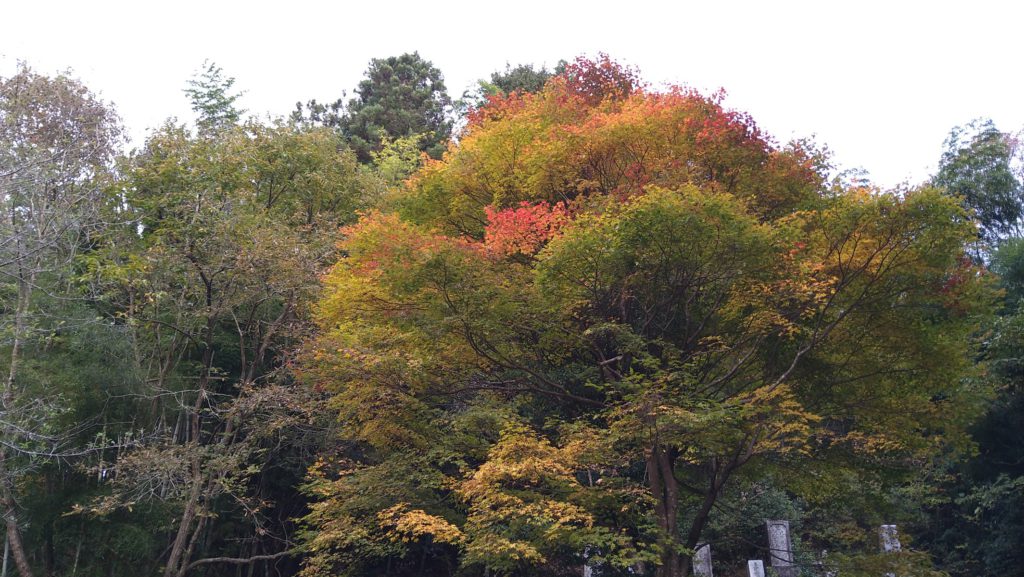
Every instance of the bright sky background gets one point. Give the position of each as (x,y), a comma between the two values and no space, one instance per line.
(880,82)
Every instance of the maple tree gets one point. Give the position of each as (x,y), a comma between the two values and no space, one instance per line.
(595,314)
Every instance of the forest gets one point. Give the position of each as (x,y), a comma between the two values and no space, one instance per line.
(565,324)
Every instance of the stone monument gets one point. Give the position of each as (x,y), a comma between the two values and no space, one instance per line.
(781,548)
(702,560)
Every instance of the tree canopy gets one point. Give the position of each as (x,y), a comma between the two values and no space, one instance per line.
(603,308)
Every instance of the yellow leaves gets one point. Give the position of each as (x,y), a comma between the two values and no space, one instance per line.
(780,424)
(501,552)
(520,502)
(876,444)
(520,460)
(408,525)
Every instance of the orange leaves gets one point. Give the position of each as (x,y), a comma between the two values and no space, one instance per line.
(497,106)
(523,229)
(596,131)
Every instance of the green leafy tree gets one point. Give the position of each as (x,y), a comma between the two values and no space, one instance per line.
(977,167)
(522,78)
(227,235)
(314,113)
(974,522)
(212,100)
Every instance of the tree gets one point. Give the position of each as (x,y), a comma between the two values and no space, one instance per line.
(521,78)
(524,78)
(228,234)
(57,142)
(212,101)
(601,310)
(314,113)
(969,500)
(977,167)
(600,78)
(401,96)
(973,518)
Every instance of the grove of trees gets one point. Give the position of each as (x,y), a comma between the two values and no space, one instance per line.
(567,321)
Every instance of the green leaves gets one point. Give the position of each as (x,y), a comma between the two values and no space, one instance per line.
(210,93)
(976,167)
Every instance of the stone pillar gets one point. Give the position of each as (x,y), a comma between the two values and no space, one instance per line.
(590,568)
(702,560)
(755,568)
(780,548)
(889,538)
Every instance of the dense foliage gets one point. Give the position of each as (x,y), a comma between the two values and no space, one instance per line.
(600,326)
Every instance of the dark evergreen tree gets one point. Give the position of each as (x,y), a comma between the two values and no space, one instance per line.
(401,96)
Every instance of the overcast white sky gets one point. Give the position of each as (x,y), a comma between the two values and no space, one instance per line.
(880,82)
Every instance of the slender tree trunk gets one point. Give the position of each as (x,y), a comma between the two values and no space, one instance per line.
(14,532)
(175,561)
(49,563)
(7,502)
(184,540)
(78,551)
(196,534)
(719,475)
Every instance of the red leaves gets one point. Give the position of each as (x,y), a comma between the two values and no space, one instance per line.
(497,106)
(600,78)
(523,229)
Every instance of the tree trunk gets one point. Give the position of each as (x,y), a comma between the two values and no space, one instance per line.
(6,483)
(13,531)
(665,489)
(719,475)
(175,561)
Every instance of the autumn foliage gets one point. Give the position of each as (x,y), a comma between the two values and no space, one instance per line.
(523,229)
(599,310)
(561,144)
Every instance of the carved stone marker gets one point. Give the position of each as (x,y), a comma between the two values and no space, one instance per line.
(781,548)
(702,560)
(755,568)
(890,538)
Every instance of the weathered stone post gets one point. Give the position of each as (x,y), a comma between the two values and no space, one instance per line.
(889,540)
(781,548)
(590,568)
(702,560)
(755,568)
